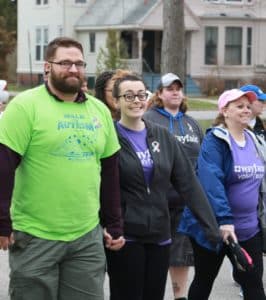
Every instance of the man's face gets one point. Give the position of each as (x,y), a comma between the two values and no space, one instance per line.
(257,108)
(66,72)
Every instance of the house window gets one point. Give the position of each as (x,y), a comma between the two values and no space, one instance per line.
(92,42)
(233,46)
(211,43)
(41,42)
(249,45)
(42,2)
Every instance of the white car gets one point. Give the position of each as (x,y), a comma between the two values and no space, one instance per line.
(4,94)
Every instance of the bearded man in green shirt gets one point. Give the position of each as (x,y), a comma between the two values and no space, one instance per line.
(58,149)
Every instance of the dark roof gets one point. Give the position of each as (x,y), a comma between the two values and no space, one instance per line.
(104,13)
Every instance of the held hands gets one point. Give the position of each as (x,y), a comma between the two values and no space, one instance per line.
(113,244)
(6,241)
(228,230)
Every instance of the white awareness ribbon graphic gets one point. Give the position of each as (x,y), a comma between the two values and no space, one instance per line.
(155,146)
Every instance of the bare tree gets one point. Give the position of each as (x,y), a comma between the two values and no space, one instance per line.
(173,42)
(114,55)
(8,25)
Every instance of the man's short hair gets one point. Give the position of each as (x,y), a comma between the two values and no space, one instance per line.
(65,42)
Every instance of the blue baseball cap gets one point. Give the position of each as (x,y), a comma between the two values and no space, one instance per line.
(253,88)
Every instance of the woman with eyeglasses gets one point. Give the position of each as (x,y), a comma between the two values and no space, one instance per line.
(150,160)
(103,90)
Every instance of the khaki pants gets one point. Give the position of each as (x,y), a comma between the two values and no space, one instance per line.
(55,270)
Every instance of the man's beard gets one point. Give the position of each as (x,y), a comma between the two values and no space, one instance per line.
(64,85)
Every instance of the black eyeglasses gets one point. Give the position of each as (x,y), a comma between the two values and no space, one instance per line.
(131,97)
(67,64)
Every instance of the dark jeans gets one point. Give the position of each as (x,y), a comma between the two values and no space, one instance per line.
(208,263)
(138,271)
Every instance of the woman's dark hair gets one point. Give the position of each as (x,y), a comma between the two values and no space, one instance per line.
(64,42)
(129,77)
(100,84)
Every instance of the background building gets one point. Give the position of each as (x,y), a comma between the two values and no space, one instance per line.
(225,44)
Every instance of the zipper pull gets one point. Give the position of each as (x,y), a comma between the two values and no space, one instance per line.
(148,190)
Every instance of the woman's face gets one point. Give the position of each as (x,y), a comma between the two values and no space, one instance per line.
(110,101)
(172,96)
(238,112)
(131,106)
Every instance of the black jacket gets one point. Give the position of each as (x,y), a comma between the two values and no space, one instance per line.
(259,128)
(145,208)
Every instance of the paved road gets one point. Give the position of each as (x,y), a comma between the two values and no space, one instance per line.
(224,288)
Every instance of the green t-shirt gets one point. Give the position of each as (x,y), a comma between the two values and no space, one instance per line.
(56,192)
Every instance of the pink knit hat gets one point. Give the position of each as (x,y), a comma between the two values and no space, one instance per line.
(232,95)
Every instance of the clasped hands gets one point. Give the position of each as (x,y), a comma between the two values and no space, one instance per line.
(113,244)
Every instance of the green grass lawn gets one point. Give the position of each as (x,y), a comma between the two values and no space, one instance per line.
(201,104)
(204,124)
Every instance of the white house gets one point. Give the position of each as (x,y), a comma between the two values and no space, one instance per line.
(224,38)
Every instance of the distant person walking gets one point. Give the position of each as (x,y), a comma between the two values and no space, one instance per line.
(3,105)
(4,96)
(104,88)
(169,109)
(60,140)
